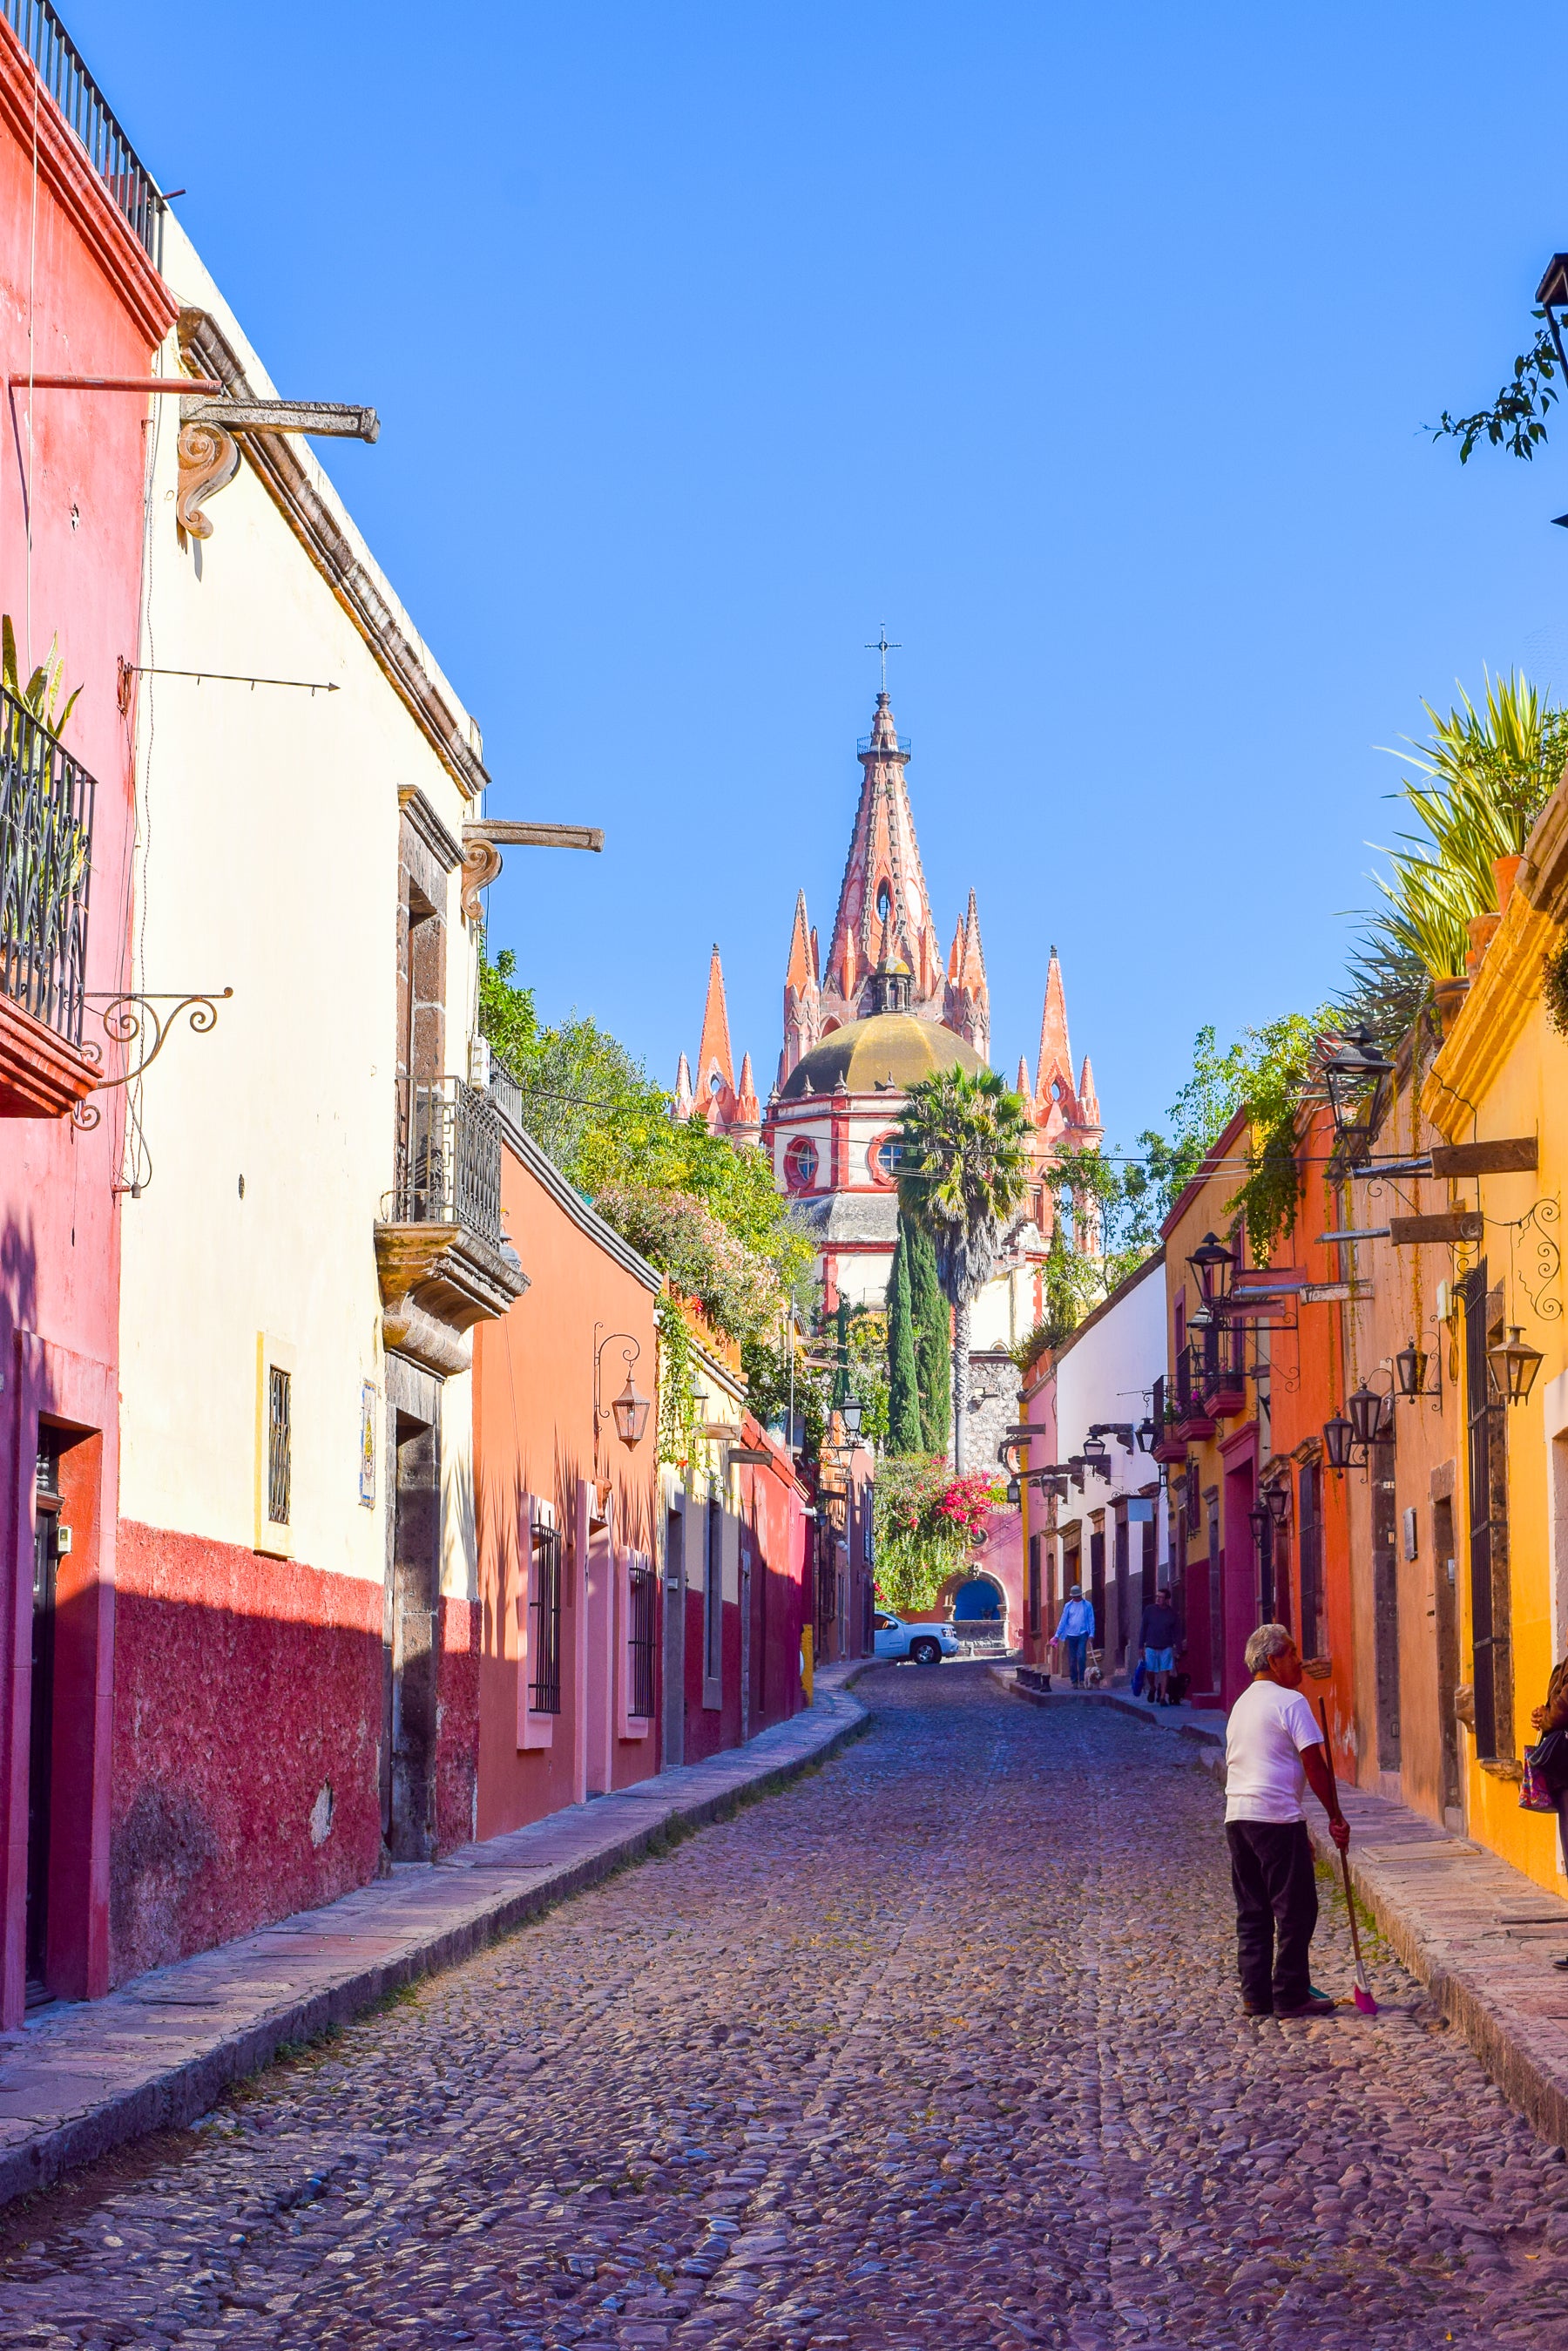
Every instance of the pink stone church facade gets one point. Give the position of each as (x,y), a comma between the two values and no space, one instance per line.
(887,1009)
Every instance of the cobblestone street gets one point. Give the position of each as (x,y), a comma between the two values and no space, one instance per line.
(941,2046)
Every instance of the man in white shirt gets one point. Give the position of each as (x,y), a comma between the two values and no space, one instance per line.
(1075,1632)
(1273,1753)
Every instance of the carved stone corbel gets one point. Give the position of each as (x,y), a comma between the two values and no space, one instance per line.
(209,460)
(481,864)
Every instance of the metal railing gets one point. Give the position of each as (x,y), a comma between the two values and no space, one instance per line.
(449,1158)
(507,1091)
(63,73)
(903,743)
(46,861)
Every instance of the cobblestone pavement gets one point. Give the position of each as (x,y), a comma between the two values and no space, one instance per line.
(941,2047)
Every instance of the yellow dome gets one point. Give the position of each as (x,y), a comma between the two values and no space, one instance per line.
(892,1051)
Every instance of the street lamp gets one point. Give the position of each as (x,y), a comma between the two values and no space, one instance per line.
(1145,1435)
(1338,1437)
(1262,1519)
(1514,1366)
(1013,1494)
(1096,1454)
(1410,1370)
(1214,1264)
(630,1410)
(1278,1499)
(1357,1063)
(1366,1410)
(852,1412)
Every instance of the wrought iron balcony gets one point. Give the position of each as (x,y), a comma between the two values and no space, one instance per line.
(63,73)
(45,866)
(441,1253)
(900,743)
(449,1158)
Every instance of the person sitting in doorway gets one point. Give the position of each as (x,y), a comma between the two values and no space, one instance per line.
(1075,1631)
(1157,1637)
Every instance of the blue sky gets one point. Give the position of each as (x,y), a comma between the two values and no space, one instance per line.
(1091,349)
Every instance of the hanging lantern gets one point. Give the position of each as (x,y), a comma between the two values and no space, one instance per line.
(1261,1520)
(1278,1499)
(1338,1437)
(1366,1410)
(853,1411)
(1410,1370)
(1145,1435)
(1013,1495)
(1096,1454)
(1356,1067)
(629,1411)
(1514,1366)
(1213,1264)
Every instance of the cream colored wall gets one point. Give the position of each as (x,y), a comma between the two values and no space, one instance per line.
(268,862)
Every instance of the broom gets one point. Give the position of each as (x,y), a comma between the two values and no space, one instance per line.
(1364,2000)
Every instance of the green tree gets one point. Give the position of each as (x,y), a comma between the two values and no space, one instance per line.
(1517,418)
(933,1340)
(964,1173)
(904,1432)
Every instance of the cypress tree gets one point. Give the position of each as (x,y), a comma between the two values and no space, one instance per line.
(933,1340)
(904,1429)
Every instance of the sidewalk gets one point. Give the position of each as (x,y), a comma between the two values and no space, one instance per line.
(1478,1933)
(79,2080)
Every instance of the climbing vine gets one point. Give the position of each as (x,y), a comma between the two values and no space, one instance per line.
(677,1388)
(1554,988)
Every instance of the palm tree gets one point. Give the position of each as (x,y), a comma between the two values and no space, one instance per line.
(963,1172)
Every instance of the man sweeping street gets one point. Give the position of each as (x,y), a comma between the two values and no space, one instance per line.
(1273,1753)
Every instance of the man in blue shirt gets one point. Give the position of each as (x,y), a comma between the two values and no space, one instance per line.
(1076,1630)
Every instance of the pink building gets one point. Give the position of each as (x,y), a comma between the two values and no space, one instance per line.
(80,294)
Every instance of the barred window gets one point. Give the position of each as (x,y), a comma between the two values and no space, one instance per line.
(544,1622)
(279,1443)
(640,1639)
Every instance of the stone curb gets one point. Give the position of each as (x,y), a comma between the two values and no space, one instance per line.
(69,2045)
(1450,1932)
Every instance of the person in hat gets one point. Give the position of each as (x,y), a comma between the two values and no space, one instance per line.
(1075,1632)
(1157,1637)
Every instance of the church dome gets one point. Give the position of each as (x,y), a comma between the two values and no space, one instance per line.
(891,1051)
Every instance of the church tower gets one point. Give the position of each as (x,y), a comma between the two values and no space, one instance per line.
(1066,1115)
(802,995)
(884,887)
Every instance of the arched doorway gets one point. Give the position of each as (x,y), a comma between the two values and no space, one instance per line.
(979,1599)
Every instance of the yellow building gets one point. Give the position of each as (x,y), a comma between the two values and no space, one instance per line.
(1499,1088)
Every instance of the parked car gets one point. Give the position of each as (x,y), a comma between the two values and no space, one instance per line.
(923,1645)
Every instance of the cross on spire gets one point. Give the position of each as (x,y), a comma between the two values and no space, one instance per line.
(883,647)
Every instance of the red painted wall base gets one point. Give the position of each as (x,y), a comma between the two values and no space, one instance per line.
(248,1714)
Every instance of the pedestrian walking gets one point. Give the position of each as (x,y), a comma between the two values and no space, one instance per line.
(1273,1752)
(1157,1637)
(1551,1761)
(1075,1632)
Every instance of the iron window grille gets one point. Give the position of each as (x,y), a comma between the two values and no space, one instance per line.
(640,1641)
(449,1158)
(544,1622)
(713,1592)
(279,1444)
(63,74)
(45,858)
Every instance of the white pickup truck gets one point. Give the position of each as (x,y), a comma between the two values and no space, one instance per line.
(923,1645)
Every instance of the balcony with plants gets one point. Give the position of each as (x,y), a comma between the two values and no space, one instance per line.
(46,867)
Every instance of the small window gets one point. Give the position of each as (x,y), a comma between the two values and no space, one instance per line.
(800,1164)
(883,901)
(544,1627)
(640,1639)
(884,1157)
(279,1443)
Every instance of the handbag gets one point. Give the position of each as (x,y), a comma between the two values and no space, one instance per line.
(1545,1774)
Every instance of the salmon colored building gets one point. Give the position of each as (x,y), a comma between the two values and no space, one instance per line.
(80,294)
(550,1674)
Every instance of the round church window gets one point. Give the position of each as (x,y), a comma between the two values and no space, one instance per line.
(884,1159)
(800,1164)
